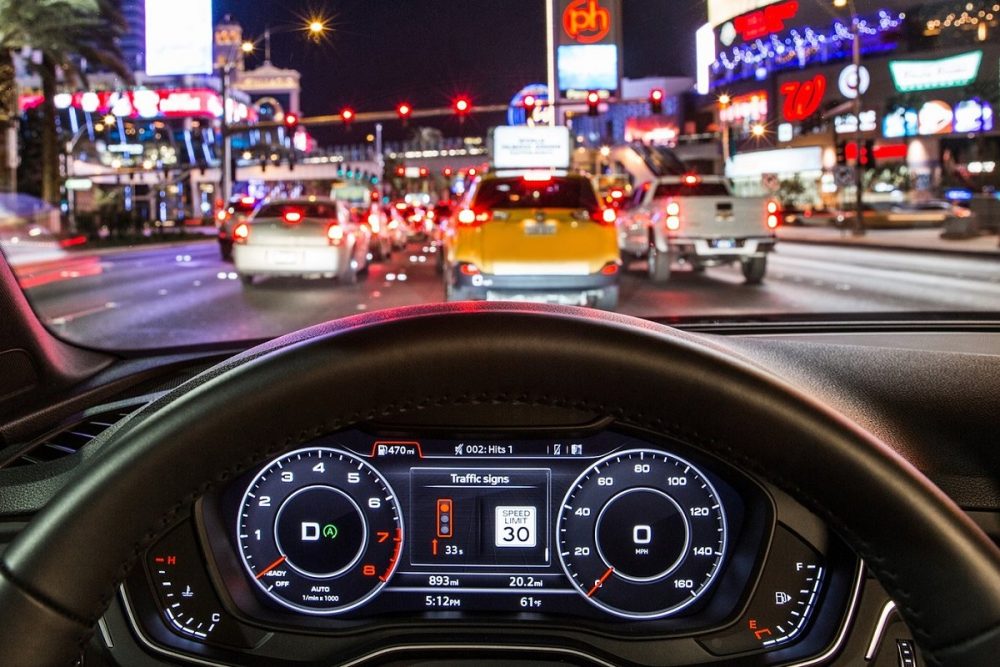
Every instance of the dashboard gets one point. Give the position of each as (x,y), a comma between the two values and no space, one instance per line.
(585,542)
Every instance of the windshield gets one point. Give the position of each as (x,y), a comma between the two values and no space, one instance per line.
(617,163)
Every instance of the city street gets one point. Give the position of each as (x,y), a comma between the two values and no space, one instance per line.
(185,294)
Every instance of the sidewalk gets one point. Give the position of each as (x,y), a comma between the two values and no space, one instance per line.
(917,240)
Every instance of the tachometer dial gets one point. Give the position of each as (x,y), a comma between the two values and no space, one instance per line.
(642,534)
(320,531)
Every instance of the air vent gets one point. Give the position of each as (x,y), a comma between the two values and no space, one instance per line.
(70,439)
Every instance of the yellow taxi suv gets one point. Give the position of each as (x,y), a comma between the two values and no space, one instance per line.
(533,236)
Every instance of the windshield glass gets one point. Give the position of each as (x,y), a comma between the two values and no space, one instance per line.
(617,163)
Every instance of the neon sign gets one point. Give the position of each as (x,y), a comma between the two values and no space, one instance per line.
(586,21)
(765,21)
(802,98)
(950,72)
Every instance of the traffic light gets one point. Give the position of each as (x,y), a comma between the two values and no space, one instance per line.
(424,172)
(291,121)
(841,152)
(347,115)
(593,103)
(400,171)
(448,171)
(656,101)
(404,111)
(462,107)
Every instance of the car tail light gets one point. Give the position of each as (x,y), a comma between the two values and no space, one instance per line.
(335,234)
(673,216)
(221,216)
(467,269)
(610,269)
(374,222)
(241,232)
(292,217)
(692,179)
(607,216)
(772,221)
(772,207)
(471,218)
(247,201)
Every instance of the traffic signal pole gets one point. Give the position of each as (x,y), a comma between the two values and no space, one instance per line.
(859,169)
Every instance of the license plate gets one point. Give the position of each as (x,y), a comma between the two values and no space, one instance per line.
(540,230)
(284,257)
(725,244)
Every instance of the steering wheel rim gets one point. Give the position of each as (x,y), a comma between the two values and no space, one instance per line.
(278,396)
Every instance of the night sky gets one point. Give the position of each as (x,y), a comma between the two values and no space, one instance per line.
(381,52)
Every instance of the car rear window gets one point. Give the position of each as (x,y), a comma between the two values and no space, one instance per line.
(520,193)
(699,189)
(326,211)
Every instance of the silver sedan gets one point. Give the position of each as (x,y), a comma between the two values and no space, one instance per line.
(301,237)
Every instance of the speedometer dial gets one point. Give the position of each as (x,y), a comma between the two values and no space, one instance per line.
(320,531)
(642,534)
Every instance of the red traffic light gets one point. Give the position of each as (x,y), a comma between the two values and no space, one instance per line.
(423,172)
(291,120)
(347,115)
(462,106)
(448,171)
(529,102)
(404,110)
(593,98)
(400,171)
(656,95)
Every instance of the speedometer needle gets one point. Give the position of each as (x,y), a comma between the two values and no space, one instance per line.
(270,567)
(600,582)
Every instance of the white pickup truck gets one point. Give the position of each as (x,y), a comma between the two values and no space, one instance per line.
(695,220)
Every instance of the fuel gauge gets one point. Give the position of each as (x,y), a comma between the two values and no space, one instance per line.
(783,603)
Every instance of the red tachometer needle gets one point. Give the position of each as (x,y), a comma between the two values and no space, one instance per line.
(600,582)
(270,567)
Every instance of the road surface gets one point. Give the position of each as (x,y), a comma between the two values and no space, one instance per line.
(185,295)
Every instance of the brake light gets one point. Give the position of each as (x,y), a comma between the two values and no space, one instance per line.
(241,232)
(609,216)
(335,234)
(221,215)
(537,177)
(292,217)
(374,222)
(247,200)
(468,269)
(609,269)
(691,179)
(469,217)
(772,207)
(673,208)
(772,221)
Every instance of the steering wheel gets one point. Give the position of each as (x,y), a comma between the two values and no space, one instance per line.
(60,573)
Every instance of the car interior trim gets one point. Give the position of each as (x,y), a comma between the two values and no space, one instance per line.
(879,630)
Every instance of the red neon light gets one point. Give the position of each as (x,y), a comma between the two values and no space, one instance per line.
(586,21)
(890,152)
(765,21)
(802,98)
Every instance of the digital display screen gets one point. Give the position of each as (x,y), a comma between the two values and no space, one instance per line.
(588,67)
(596,526)
(179,37)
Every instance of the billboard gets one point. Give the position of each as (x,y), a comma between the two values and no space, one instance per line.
(519,147)
(588,40)
(178,37)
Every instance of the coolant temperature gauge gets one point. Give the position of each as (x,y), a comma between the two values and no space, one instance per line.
(187,601)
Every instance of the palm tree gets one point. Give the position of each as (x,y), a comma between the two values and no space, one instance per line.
(70,36)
